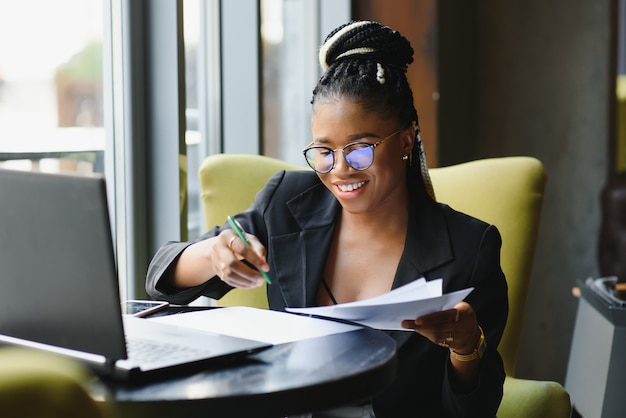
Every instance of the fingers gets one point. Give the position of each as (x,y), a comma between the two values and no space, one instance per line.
(238,263)
(453,328)
(253,251)
(444,317)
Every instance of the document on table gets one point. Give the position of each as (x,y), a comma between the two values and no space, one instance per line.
(387,311)
(265,325)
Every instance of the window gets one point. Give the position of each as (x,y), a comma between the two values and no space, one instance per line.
(81,80)
(290,40)
(291,34)
(51,106)
(251,69)
(198,70)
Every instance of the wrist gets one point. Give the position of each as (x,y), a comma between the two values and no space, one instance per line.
(477,351)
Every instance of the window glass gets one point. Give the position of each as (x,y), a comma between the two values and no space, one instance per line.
(192,18)
(51,105)
(289,41)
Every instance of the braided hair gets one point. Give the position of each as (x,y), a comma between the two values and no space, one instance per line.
(367,63)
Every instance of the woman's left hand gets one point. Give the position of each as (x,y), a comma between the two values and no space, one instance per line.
(455,328)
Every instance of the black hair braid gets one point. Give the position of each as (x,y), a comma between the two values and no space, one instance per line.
(389,46)
(353,53)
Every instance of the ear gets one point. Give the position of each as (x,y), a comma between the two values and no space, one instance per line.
(407,140)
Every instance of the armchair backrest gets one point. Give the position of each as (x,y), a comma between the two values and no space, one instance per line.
(506,192)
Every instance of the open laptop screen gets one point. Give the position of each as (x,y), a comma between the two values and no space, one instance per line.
(57,267)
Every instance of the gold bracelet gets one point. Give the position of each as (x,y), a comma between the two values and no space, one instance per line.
(478,351)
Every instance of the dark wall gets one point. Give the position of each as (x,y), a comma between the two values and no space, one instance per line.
(457,82)
(532,77)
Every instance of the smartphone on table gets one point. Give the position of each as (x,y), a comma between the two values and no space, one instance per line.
(141,308)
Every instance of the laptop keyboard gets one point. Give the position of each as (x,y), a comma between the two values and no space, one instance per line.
(145,352)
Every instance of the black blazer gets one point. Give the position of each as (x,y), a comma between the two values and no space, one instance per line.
(294,216)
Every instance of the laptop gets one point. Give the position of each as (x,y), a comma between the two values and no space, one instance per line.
(60,291)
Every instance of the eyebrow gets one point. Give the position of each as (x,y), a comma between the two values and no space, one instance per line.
(350,139)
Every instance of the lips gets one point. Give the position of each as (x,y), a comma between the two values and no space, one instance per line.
(350,186)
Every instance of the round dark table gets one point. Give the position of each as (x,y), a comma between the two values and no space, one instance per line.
(291,378)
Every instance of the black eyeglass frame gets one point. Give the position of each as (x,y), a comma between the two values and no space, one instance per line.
(373,146)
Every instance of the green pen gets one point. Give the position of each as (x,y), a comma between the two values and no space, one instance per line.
(239,231)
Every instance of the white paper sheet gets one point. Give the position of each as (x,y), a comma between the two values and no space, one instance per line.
(388,310)
(415,290)
(272,327)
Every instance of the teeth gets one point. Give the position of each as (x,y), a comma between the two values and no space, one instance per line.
(351,186)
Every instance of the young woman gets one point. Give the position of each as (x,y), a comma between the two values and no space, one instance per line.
(363,222)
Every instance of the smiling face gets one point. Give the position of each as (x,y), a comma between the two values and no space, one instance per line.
(380,188)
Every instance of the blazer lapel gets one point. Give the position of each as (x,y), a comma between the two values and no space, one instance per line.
(427,246)
(315,211)
(427,243)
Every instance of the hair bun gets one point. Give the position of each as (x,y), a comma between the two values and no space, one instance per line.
(368,40)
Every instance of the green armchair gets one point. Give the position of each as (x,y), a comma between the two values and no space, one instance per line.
(35,384)
(506,192)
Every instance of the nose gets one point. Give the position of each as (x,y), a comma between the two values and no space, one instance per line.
(340,161)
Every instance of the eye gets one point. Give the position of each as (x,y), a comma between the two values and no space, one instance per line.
(357,146)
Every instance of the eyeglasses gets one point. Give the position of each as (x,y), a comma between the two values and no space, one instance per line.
(358,155)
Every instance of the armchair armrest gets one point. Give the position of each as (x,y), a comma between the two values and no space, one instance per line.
(39,385)
(533,398)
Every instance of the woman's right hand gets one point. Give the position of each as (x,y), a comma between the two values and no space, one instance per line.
(237,263)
